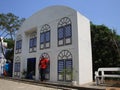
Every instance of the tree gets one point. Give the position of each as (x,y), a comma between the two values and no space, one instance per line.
(105,47)
(9,51)
(9,24)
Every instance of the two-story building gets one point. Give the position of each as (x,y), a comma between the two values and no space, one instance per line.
(63,36)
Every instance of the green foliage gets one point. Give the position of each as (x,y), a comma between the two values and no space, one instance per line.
(67,71)
(10,43)
(10,23)
(105,47)
(10,49)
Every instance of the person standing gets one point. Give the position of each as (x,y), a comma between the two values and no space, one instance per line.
(43,63)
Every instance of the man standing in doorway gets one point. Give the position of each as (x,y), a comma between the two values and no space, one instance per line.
(43,63)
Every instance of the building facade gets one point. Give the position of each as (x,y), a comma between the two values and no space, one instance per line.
(63,36)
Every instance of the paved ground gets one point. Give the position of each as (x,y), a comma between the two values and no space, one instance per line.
(12,85)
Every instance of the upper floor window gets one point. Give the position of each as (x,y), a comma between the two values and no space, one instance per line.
(33,43)
(45,37)
(18,44)
(64,32)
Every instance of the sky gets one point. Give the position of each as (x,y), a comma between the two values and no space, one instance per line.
(105,12)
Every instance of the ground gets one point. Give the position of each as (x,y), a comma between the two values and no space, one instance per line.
(19,84)
(12,85)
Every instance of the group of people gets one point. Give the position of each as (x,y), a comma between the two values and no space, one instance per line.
(43,64)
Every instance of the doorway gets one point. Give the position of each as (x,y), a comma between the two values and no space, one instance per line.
(31,67)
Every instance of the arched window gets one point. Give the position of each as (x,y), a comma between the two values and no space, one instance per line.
(33,42)
(17,67)
(45,37)
(18,48)
(47,73)
(65,66)
(64,31)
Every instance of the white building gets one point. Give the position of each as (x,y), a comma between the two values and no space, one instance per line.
(2,58)
(60,34)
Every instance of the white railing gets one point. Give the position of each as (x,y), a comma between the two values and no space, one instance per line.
(100,74)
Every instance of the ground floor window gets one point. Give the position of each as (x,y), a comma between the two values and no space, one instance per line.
(17,69)
(65,66)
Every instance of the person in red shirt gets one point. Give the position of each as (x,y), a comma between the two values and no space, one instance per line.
(43,63)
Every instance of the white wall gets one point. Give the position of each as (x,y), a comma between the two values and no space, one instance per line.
(80,47)
(85,53)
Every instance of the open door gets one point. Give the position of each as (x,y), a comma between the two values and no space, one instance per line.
(31,67)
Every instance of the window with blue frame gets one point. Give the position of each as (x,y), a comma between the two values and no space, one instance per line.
(61,70)
(17,67)
(60,33)
(18,46)
(45,37)
(42,38)
(64,32)
(33,43)
(68,31)
(65,72)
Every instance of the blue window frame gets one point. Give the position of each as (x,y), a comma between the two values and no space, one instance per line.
(65,66)
(17,67)
(60,70)
(18,46)
(68,31)
(64,32)
(17,43)
(45,37)
(65,69)
(60,33)
(42,39)
(35,41)
(32,44)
